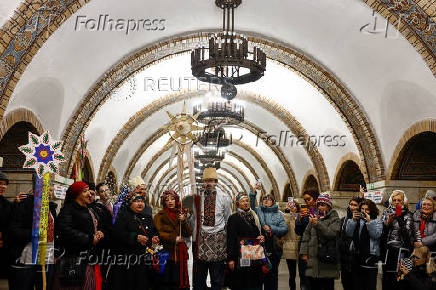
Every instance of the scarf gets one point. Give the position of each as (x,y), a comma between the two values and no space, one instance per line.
(424,219)
(172,212)
(250,218)
(182,251)
(97,270)
(209,208)
(361,242)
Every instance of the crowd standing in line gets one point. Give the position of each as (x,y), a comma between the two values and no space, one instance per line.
(97,244)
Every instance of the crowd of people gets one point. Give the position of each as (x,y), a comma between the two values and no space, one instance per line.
(93,243)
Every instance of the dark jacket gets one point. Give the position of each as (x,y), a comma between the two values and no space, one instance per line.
(326,229)
(104,218)
(169,229)
(418,279)
(5,213)
(5,216)
(74,228)
(344,243)
(429,238)
(237,229)
(20,229)
(401,232)
(128,226)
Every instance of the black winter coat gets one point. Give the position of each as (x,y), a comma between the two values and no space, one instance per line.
(418,279)
(74,228)
(128,226)
(5,216)
(104,218)
(343,243)
(242,277)
(5,213)
(20,229)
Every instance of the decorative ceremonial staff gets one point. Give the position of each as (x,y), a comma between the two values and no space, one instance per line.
(44,155)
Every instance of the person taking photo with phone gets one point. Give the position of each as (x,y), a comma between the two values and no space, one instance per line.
(365,230)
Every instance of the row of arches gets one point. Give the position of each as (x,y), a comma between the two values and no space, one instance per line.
(416,160)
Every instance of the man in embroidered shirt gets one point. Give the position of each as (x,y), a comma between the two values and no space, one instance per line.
(212,208)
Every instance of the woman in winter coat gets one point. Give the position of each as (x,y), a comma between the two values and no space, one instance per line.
(243,227)
(423,274)
(169,221)
(301,222)
(344,242)
(273,227)
(425,224)
(399,236)
(133,233)
(76,231)
(318,245)
(365,230)
(290,246)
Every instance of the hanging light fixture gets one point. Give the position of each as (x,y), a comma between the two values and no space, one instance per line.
(220,113)
(227,60)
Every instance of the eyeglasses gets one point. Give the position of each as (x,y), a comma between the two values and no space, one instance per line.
(415,257)
(307,199)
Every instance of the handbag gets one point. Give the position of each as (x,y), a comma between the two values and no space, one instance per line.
(251,250)
(72,270)
(327,252)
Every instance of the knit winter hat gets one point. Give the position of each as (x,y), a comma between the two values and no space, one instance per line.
(324,197)
(168,193)
(4,177)
(75,189)
(239,196)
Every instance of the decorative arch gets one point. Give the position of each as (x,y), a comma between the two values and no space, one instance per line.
(18,46)
(345,104)
(428,125)
(349,157)
(349,178)
(275,109)
(20,115)
(16,135)
(310,182)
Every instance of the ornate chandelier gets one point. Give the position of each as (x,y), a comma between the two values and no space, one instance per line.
(220,113)
(227,60)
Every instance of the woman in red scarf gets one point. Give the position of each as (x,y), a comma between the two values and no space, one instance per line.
(425,224)
(172,224)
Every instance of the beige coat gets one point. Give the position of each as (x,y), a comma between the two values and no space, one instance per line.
(290,247)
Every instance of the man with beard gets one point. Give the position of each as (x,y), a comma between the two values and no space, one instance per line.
(211,212)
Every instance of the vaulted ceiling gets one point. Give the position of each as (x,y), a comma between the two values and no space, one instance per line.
(327,74)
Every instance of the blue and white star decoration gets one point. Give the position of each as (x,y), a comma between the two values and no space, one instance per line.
(43,154)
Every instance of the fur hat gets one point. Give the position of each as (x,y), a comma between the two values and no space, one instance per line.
(324,197)
(396,192)
(167,193)
(4,177)
(135,182)
(210,173)
(430,194)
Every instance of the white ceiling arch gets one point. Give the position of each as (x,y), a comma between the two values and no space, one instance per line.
(360,61)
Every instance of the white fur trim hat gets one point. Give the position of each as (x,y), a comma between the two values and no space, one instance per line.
(135,182)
